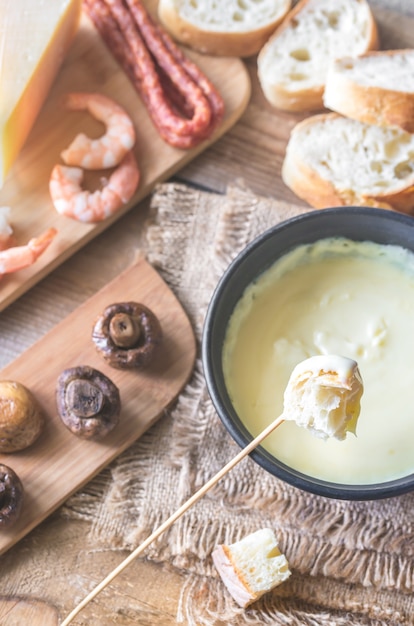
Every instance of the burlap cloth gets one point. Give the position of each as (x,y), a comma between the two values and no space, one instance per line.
(352,562)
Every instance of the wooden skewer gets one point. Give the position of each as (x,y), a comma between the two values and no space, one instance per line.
(321,365)
(174,517)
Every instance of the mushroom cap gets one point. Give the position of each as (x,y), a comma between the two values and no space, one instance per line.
(21,419)
(140,352)
(11,496)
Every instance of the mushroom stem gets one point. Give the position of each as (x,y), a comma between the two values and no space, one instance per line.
(84,398)
(127,335)
(88,402)
(124,330)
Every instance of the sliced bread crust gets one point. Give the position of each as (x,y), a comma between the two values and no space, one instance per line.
(336,161)
(374,88)
(293,64)
(222,28)
(252,566)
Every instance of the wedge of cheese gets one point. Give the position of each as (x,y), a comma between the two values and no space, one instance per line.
(34,39)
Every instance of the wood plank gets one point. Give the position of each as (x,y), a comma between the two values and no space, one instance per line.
(90,67)
(58,463)
(19,611)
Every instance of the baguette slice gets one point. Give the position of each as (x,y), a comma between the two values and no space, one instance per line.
(293,64)
(223,28)
(332,160)
(375,88)
(252,566)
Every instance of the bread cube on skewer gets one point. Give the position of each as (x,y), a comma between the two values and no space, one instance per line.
(323,395)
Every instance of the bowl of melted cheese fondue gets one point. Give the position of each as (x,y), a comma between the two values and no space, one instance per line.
(336,281)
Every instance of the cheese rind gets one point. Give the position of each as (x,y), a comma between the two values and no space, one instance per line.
(34,39)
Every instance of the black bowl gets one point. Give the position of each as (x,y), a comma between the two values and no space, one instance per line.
(355,223)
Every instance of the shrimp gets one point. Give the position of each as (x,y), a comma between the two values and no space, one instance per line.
(109,149)
(6,231)
(86,206)
(19,257)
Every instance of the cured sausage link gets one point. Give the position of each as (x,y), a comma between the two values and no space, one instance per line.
(140,36)
(211,93)
(145,69)
(111,35)
(169,84)
(183,72)
(108,29)
(141,68)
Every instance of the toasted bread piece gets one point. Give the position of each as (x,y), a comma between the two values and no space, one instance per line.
(293,64)
(252,566)
(333,160)
(229,28)
(374,88)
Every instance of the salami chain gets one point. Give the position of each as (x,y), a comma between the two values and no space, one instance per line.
(112,36)
(215,99)
(183,104)
(140,39)
(174,58)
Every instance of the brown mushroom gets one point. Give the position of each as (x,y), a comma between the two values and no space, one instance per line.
(21,419)
(11,496)
(127,335)
(88,402)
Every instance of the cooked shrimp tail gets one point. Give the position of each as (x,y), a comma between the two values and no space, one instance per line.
(6,231)
(71,200)
(109,149)
(19,257)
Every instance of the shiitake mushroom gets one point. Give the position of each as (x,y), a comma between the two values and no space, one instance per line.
(127,335)
(21,418)
(11,496)
(88,402)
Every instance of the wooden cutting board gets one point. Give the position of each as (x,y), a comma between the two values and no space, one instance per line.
(90,67)
(59,462)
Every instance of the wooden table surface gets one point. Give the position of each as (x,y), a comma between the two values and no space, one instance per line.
(35,568)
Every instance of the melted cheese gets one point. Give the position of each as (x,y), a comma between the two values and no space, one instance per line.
(34,39)
(332,297)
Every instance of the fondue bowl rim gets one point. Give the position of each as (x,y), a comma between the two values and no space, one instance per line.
(384,227)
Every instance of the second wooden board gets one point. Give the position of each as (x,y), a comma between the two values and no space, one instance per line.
(58,463)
